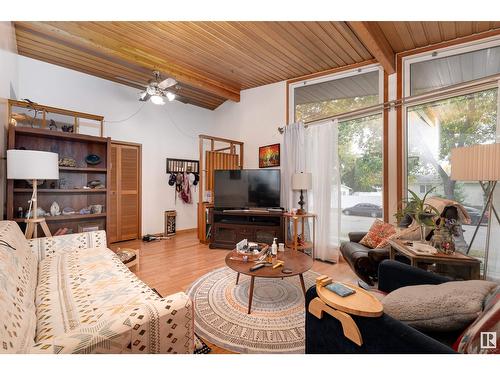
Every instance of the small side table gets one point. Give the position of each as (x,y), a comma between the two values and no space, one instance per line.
(462,266)
(299,229)
(129,257)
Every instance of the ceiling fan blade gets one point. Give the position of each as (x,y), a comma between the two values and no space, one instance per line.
(167,83)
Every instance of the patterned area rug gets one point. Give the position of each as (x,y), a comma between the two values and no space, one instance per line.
(276,324)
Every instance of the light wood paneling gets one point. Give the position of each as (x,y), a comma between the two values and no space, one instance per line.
(219,160)
(404,36)
(125,202)
(171,266)
(213,61)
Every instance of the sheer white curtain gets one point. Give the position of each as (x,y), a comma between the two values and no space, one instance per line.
(293,161)
(322,161)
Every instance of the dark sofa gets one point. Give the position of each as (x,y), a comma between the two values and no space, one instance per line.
(382,335)
(363,260)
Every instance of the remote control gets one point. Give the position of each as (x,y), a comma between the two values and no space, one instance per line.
(340,290)
(257,266)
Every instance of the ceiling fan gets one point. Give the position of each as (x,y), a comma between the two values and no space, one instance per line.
(156,90)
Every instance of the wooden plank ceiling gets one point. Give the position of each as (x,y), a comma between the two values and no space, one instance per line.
(213,61)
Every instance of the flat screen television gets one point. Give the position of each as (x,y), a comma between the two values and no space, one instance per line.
(247,188)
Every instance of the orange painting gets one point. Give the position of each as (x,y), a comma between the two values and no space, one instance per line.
(269,156)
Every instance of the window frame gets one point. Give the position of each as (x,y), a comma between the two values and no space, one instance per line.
(334,77)
(461,89)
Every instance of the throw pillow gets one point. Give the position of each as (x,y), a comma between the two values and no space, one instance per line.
(488,322)
(378,234)
(445,307)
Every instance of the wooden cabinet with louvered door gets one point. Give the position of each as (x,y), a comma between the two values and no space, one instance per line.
(125,199)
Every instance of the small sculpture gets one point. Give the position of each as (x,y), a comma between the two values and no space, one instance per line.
(96,208)
(96,184)
(52,125)
(55,210)
(67,128)
(67,162)
(68,211)
(85,211)
(92,159)
(40,212)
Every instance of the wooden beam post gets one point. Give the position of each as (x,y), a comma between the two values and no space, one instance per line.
(372,37)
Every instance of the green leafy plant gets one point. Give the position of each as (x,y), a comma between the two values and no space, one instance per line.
(423,213)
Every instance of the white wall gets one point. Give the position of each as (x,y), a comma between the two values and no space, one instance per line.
(8,90)
(164,131)
(254,120)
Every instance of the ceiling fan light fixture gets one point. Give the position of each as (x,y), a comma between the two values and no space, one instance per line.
(170,96)
(157,99)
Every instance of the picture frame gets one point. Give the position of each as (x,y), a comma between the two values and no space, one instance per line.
(269,156)
(88,227)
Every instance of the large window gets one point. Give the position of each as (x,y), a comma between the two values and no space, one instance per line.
(331,96)
(360,140)
(435,126)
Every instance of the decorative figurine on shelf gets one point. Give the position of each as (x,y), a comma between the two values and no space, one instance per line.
(68,128)
(68,211)
(92,159)
(96,184)
(52,125)
(67,162)
(55,210)
(443,235)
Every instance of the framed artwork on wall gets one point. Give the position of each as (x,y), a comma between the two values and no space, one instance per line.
(269,156)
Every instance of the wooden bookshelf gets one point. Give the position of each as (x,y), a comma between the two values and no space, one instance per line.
(68,191)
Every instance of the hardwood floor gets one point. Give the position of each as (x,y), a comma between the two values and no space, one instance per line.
(171,266)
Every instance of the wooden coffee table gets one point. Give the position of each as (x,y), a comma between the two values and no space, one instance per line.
(294,260)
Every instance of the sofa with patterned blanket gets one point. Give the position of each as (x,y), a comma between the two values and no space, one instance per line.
(70,294)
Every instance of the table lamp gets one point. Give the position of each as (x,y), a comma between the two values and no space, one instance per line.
(301,181)
(33,165)
(479,163)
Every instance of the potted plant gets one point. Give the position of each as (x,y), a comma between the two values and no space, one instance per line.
(423,213)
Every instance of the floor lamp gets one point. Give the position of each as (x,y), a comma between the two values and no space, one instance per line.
(33,165)
(479,163)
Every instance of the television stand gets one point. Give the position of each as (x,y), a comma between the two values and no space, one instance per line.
(231,226)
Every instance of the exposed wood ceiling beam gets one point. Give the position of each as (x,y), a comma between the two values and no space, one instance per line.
(69,34)
(375,41)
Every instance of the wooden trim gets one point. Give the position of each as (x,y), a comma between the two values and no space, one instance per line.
(385,189)
(188,230)
(372,37)
(60,111)
(399,94)
(320,74)
(53,134)
(331,71)
(399,132)
(449,43)
(218,139)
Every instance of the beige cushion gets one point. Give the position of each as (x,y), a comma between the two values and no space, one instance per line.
(18,278)
(446,307)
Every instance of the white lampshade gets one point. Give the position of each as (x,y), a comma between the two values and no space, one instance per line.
(476,163)
(32,165)
(301,181)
